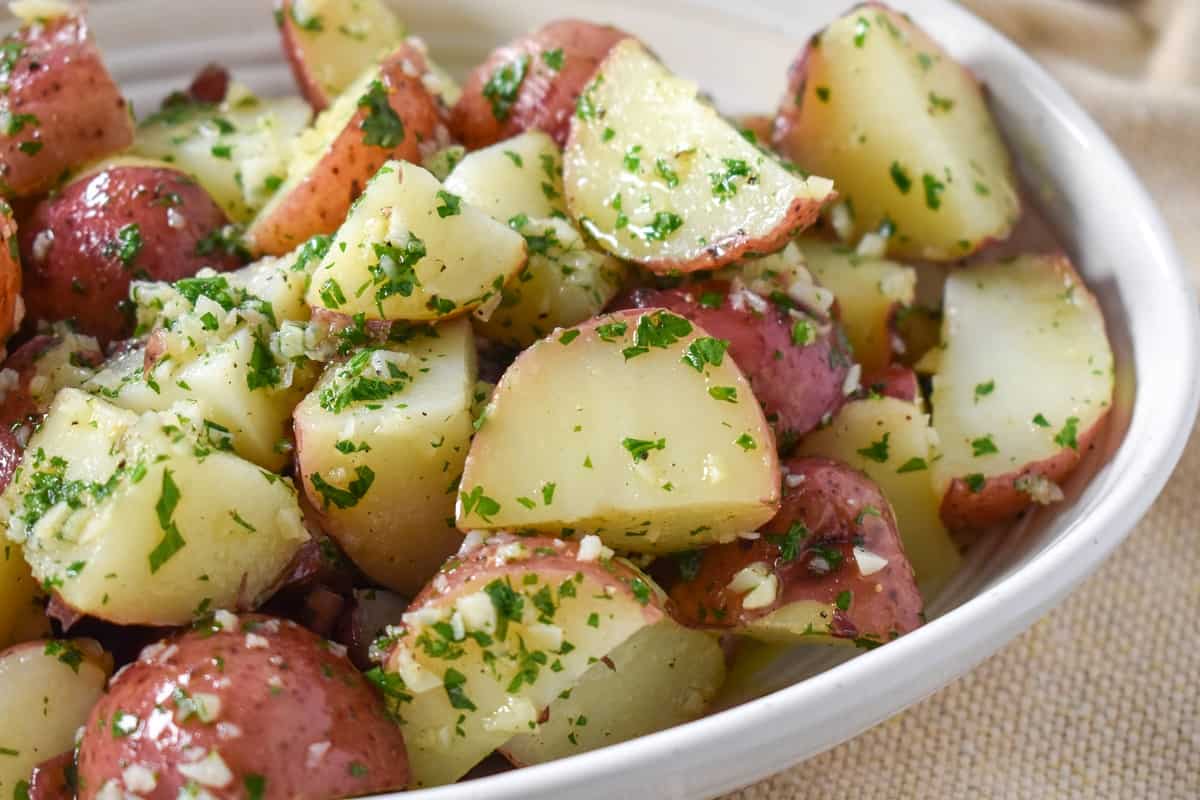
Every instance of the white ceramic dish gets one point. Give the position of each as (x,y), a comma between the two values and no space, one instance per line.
(739,51)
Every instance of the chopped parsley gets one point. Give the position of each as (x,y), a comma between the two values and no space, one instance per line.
(803,333)
(1041,421)
(395,273)
(451,204)
(984,446)
(1068,436)
(877,451)
(554,59)
(703,351)
(382,126)
(503,86)
(789,542)
(126,246)
(984,389)
(660,329)
(933,191)
(568,337)
(348,497)
(746,442)
(640,448)
(900,177)
(172,541)
(724,184)
(913,465)
(66,652)
(844,599)
(975,482)
(478,503)
(666,173)
(727,394)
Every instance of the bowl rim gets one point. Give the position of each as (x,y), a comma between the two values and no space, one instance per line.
(752,733)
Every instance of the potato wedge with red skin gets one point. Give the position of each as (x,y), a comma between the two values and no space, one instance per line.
(337,156)
(79,259)
(250,706)
(797,385)
(558,61)
(65,108)
(12,307)
(813,554)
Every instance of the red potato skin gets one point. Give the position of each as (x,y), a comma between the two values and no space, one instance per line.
(50,780)
(11,305)
(796,390)
(999,500)
(60,79)
(80,275)
(896,381)
(319,204)
(210,85)
(293,50)
(320,699)
(546,97)
(829,501)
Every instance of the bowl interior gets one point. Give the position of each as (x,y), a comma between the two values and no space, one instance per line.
(739,52)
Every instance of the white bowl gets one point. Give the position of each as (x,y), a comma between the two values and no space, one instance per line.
(739,50)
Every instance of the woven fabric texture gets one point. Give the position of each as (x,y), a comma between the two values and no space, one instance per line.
(1101,699)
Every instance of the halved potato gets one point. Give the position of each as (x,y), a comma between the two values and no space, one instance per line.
(1023,385)
(142,519)
(329,43)
(891,441)
(658,177)
(410,250)
(521,175)
(22,615)
(387,113)
(664,675)
(47,689)
(905,132)
(829,567)
(634,426)
(497,636)
(237,150)
(380,443)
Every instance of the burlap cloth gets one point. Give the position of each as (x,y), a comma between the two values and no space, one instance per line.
(1101,699)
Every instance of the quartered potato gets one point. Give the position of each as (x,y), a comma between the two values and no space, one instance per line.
(904,131)
(1022,386)
(59,108)
(410,250)
(635,426)
(892,442)
(386,113)
(829,567)
(47,688)
(659,178)
(499,634)
(381,441)
(245,707)
(142,519)
(329,43)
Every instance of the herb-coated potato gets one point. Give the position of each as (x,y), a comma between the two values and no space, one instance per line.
(242,707)
(388,113)
(905,132)
(330,43)
(794,355)
(663,675)
(59,107)
(497,636)
(412,251)
(658,177)
(533,83)
(829,566)
(131,518)
(236,148)
(157,224)
(891,441)
(47,689)
(1023,385)
(12,307)
(634,426)
(380,442)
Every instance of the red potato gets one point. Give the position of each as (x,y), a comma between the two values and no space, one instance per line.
(243,707)
(12,307)
(210,85)
(335,158)
(60,107)
(895,381)
(830,564)
(82,247)
(532,83)
(797,385)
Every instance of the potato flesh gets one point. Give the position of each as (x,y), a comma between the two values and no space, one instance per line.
(567,414)
(415,444)
(43,702)
(664,675)
(340,39)
(521,175)
(438,752)
(659,178)
(114,555)
(891,117)
(467,257)
(903,475)
(1024,353)
(236,151)
(21,615)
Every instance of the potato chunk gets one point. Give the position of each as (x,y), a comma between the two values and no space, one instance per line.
(407,404)
(1023,385)
(635,426)
(410,250)
(140,519)
(659,178)
(905,132)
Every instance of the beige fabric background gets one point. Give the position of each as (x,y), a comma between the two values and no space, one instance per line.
(1102,698)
